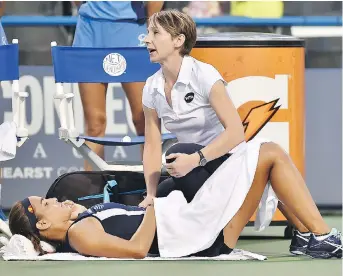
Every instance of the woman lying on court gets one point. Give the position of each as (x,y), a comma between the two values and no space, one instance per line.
(171,227)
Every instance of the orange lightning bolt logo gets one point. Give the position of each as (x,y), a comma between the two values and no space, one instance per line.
(258,117)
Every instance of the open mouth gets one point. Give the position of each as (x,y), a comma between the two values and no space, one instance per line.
(152,51)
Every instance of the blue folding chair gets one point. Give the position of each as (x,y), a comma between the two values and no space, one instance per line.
(98,65)
(9,71)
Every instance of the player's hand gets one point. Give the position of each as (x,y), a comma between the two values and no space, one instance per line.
(68,203)
(182,164)
(76,209)
(147,201)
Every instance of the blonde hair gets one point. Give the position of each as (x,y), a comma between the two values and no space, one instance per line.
(177,23)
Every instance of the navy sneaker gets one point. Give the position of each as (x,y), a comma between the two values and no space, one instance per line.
(299,243)
(325,246)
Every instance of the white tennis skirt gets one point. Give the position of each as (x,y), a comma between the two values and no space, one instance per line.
(186,228)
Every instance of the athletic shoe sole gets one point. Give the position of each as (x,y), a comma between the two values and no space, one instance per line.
(297,250)
(322,255)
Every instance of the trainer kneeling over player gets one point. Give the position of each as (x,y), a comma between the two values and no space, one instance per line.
(191,98)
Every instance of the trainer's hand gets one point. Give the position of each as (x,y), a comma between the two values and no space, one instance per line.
(182,165)
(147,201)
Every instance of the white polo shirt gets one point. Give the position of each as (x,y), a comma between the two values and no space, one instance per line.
(191,118)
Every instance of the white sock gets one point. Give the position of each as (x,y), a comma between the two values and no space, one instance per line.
(323,236)
(304,234)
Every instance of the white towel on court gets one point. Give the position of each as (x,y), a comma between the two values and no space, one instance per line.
(8,141)
(20,248)
(184,229)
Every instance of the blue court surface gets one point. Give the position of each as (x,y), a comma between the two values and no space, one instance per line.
(269,243)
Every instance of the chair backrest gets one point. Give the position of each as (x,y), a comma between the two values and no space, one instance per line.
(9,62)
(9,71)
(105,65)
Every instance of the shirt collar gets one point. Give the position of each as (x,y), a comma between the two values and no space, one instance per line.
(184,77)
(185,70)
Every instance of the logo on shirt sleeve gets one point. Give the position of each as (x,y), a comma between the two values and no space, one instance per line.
(98,207)
(189,97)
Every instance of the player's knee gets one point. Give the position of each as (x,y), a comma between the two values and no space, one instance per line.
(96,125)
(187,148)
(271,151)
(174,149)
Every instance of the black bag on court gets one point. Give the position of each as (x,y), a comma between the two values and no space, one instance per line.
(88,188)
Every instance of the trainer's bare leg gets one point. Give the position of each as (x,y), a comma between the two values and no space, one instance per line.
(93,97)
(274,164)
(134,93)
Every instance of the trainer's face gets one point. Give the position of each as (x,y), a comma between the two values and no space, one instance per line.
(161,45)
(50,211)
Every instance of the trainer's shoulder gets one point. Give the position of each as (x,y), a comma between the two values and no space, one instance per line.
(206,74)
(203,68)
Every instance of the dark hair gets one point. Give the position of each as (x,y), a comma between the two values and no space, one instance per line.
(20,224)
(177,23)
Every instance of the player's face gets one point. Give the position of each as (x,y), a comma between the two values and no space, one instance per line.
(50,209)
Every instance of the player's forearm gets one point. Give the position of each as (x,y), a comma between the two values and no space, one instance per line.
(145,234)
(153,7)
(152,162)
(224,143)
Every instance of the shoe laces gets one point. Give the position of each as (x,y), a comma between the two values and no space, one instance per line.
(338,235)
